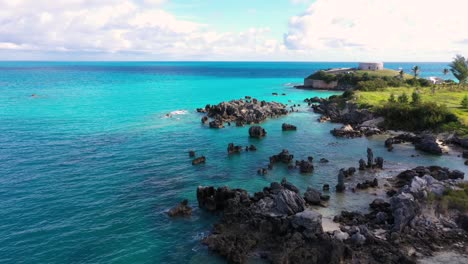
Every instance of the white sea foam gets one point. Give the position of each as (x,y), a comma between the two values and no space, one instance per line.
(179,112)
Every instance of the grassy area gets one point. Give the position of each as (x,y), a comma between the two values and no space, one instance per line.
(384,73)
(456,199)
(451,97)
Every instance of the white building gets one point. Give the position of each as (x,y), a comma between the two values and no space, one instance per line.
(371,66)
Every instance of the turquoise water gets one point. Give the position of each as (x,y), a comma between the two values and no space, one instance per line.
(90,164)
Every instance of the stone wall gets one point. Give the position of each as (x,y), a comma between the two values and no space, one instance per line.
(319,84)
(373,66)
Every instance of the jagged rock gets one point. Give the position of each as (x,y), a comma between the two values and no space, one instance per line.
(182,209)
(283,157)
(204,120)
(288,127)
(305,166)
(308,220)
(349,172)
(289,186)
(216,124)
(429,144)
(346,131)
(323,160)
(340,187)
(252,148)
(288,203)
(244,112)
(370,158)
(191,153)
(199,160)
(358,239)
(404,209)
(362,164)
(310,158)
(367,184)
(339,235)
(456,174)
(379,162)
(257,132)
(326,187)
(231,149)
(262,172)
(312,196)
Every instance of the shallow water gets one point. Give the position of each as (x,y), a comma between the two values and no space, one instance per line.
(91,162)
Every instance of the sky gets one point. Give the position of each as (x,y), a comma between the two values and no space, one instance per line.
(234,30)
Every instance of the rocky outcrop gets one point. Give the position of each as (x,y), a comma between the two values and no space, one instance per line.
(288,127)
(243,112)
(283,157)
(305,166)
(426,143)
(191,153)
(273,222)
(346,131)
(257,132)
(199,160)
(182,209)
(340,187)
(231,149)
(438,173)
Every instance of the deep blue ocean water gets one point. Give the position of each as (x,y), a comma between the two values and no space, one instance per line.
(90,164)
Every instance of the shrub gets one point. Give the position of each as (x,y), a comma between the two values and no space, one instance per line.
(371,85)
(392,98)
(403,98)
(464,102)
(416,118)
(322,75)
(416,98)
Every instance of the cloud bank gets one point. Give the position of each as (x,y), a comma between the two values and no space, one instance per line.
(353,30)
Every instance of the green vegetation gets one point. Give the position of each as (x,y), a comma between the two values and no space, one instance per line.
(416,98)
(418,117)
(448,96)
(456,199)
(416,71)
(464,102)
(459,68)
(324,76)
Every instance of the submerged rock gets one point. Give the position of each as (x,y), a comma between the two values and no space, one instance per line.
(257,132)
(288,127)
(182,209)
(199,160)
(283,157)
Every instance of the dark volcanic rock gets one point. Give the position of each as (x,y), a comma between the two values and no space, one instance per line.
(340,187)
(305,166)
(191,153)
(312,196)
(182,209)
(245,112)
(199,160)
(404,209)
(257,132)
(429,144)
(216,124)
(283,157)
(346,131)
(231,149)
(288,127)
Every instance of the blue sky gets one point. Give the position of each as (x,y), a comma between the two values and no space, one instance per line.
(258,30)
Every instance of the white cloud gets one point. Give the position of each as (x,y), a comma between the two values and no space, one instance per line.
(120,26)
(382,30)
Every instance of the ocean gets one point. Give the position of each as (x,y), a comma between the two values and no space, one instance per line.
(90,161)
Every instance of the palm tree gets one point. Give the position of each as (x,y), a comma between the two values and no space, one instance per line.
(459,69)
(415,71)
(402,74)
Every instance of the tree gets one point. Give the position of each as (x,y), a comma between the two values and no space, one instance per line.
(392,98)
(459,68)
(416,98)
(464,102)
(403,98)
(402,74)
(445,71)
(416,71)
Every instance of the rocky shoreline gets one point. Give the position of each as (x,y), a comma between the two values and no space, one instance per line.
(363,122)
(280,225)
